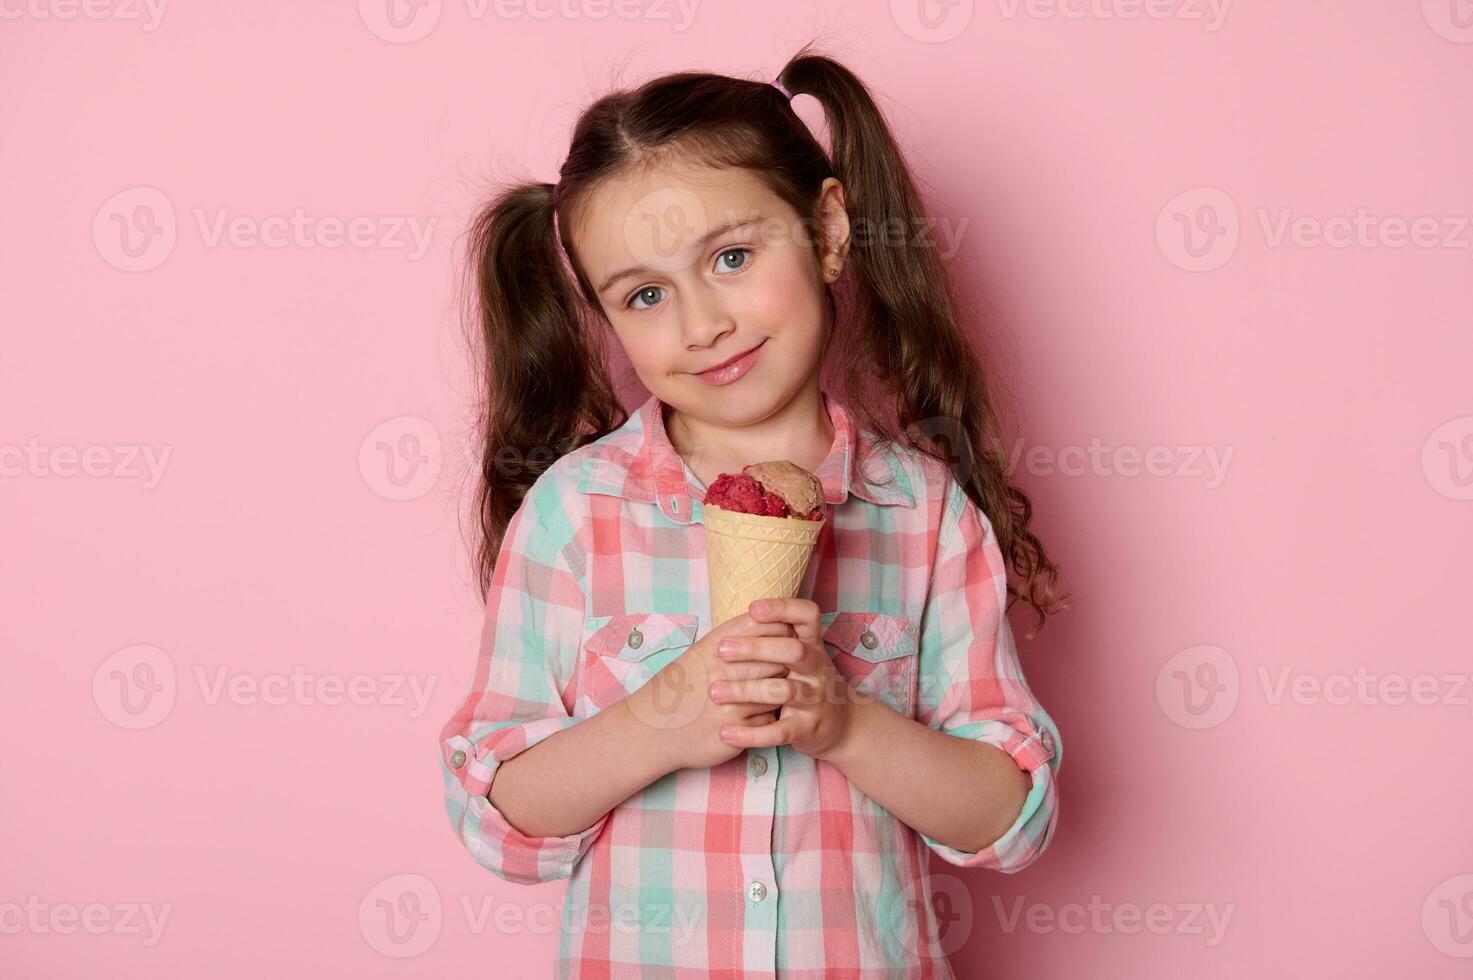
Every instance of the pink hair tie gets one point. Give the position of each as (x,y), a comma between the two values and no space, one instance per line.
(779,86)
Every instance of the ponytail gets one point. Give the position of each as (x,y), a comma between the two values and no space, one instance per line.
(543,381)
(903,347)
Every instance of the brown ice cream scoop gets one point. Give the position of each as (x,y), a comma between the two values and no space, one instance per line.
(800,489)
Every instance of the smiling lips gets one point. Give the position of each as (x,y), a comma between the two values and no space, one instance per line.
(733,369)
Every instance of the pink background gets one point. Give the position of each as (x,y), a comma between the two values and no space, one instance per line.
(301,389)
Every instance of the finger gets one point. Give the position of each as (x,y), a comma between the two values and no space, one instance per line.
(800,614)
(744,625)
(769,690)
(746,670)
(749,708)
(804,690)
(756,736)
(786,650)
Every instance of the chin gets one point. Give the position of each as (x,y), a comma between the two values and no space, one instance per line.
(751,405)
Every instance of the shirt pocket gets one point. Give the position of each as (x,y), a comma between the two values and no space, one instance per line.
(877,653)
(621,653)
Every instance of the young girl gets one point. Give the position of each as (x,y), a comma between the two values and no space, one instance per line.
(758,797)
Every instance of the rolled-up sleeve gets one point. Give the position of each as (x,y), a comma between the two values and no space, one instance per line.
(971,684)
(521,691)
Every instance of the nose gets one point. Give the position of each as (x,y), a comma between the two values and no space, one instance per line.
(705,319)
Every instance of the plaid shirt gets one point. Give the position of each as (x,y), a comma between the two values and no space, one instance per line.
(771,864)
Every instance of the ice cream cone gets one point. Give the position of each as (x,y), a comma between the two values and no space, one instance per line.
(749,556)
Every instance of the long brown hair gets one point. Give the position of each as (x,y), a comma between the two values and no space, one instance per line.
(905,366)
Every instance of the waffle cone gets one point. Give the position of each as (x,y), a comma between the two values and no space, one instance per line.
(749,556)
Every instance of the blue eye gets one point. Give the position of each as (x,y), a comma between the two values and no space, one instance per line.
(647,289)
(633,302)
(734,251)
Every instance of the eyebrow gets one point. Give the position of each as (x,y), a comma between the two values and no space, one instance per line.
(635,270)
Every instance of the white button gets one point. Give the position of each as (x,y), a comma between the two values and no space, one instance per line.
(1048,741)
(756,891)
(869,640)
(759,765)
(457,758)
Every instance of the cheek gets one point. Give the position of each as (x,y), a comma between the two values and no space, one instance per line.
(647,356)
(789,303)
(639,346)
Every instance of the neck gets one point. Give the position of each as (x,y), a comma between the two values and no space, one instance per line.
(799,431)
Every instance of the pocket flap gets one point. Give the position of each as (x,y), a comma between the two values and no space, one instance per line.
(869,635)
(634,636)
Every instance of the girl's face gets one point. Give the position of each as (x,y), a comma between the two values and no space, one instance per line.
(694,266)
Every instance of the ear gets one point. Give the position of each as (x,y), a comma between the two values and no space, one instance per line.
(833,219)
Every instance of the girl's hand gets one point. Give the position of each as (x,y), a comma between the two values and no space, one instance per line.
(676,702)
(816,702)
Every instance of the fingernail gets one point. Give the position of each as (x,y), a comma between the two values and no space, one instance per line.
(727,646)
(718,690)
(728,734)
(759,608)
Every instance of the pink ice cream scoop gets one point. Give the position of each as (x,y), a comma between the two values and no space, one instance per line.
(773,489)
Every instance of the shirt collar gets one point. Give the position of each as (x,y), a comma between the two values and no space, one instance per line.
(657,473)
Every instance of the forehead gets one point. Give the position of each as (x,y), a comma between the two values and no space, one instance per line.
(657,216)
